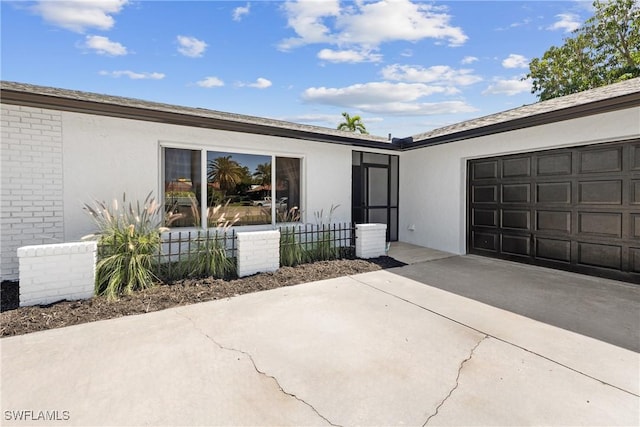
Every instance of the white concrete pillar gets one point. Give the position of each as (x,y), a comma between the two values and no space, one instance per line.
(371,240)
(257,252)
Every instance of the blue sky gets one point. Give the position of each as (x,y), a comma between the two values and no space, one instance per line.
(404,66)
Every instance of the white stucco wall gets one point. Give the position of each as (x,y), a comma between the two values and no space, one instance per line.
(433,179)
(106,156)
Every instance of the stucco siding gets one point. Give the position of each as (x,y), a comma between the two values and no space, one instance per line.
(433,179)
(107,156)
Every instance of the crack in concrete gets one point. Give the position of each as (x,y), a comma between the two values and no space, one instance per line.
(255,367)
(443,401)
(496,338)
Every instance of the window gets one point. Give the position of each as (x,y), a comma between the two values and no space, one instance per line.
(252,188)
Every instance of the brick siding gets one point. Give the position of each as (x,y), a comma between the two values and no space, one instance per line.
(31,207)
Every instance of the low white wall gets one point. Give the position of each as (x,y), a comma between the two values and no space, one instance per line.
(433,179)
(258,251)
(50,273)
(371,240)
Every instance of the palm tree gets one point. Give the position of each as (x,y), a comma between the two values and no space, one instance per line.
(352,124)
(263,174)
(226,172)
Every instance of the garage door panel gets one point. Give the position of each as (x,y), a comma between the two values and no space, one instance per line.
(485,170)
(600,224)
(554,164)
(553,249)
(599,255)
(635,192)
(517,167)
(576,209)
(517,219)
(554,192)
(635,156)
(600,192)
(516,193)
(601,160)
(634,260)
(485,217)
(635,226)
(485,241)
(485,194)
(553,221)
(515,245)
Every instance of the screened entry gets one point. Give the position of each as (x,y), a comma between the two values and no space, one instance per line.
(374,193)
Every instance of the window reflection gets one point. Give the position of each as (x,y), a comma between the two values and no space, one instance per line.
(241,184)
(182,185)
(238,188)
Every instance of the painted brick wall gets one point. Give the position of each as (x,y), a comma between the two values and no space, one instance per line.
(371,240)
(50,273)
(258,251)
(31,202)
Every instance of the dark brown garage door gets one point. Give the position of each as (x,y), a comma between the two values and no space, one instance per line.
(576,209)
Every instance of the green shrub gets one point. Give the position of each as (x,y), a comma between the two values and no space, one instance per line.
(128,244)
(319,247)
(209,258)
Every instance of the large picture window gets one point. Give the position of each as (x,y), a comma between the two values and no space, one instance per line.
(209,187)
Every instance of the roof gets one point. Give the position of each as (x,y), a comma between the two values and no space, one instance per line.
(613,97)
(116,106)
(616,96)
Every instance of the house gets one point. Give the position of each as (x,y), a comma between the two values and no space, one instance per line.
(556,183)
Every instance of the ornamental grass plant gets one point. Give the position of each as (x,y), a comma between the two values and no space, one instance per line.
(128,242)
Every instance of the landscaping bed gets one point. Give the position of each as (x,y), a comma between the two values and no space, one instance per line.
(23,320)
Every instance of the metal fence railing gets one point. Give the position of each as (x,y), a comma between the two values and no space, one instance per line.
(183,254)
(180,247)
(311,242)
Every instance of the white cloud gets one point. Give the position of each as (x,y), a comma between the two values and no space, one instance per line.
(386,98)
(352,56)
(469,60)
(508,87)
(306,19)
(421,109)
(240,11)
(438,74)
(515,61)
(79,15)
(191,46)
(210,82)
(133,75)
(567,22)
(103,46)
(370,93)
(368,24)
(260,83)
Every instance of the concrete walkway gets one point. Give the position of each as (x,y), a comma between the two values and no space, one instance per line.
(371,349)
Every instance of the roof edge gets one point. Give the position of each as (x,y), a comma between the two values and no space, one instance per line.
(616,103)
(131,108)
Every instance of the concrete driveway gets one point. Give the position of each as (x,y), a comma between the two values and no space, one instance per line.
(371,349)
(607,310)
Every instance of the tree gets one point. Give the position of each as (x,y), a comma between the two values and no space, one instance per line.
(605,50)
(226,172)
(352,124)
(262,174)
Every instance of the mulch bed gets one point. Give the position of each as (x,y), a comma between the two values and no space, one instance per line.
(16,320)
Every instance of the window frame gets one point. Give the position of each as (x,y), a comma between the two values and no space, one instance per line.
(204,150)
